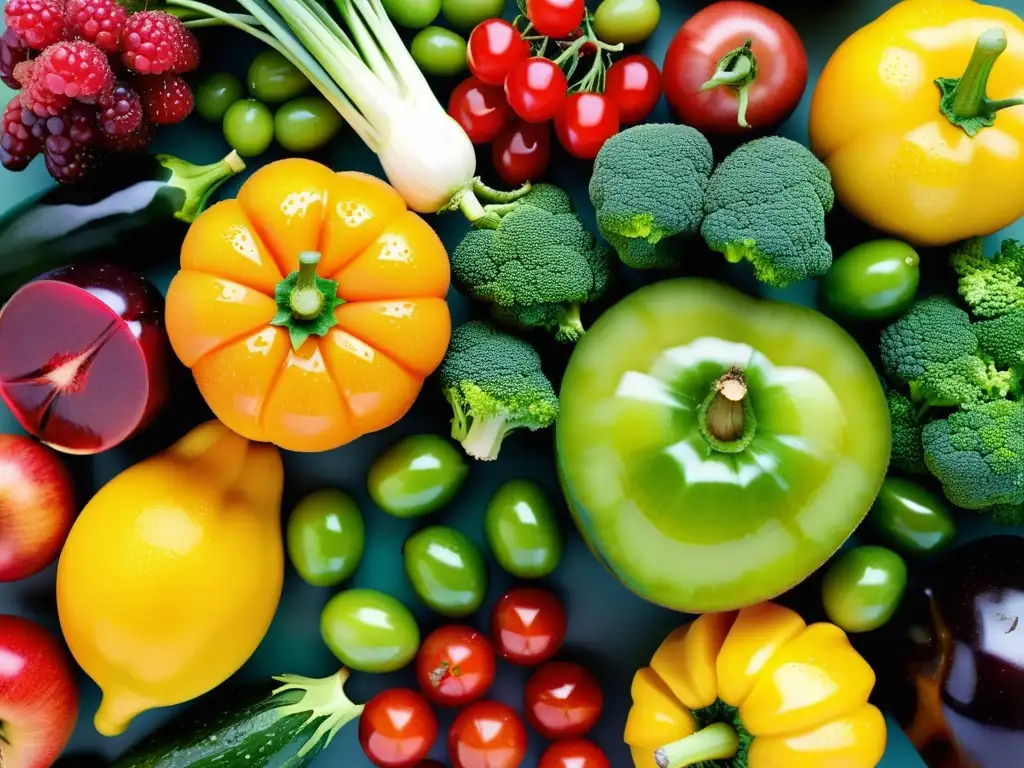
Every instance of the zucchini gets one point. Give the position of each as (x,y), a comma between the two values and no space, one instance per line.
(285,725)
(126,212)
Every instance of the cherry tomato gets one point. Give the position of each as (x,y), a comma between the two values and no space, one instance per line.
(536,89)
(480,109)
(495,46)
(397,728)
(704,43)
(574,753)
(521,152)
(634,86)
(487,735)
(555,18)
(455,666)
(563,700)
(586,122)
(528,626)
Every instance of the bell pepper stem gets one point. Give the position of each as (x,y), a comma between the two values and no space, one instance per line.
(718,741)
(199,182)
(737,70)
(725,418)
(965,101)
(306,301)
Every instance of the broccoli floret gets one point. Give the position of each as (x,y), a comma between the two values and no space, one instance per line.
(907,452)
(990,286)
(962,381)
(1002,339)
(495,385)
(648,188)
(977,453)
(766,203)
(537,266)
(1006,514)
(934,330)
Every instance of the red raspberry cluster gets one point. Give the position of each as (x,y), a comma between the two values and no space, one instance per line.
(92,78)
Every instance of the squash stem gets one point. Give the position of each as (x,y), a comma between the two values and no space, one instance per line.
(716,742)
(306,300)
(965,101)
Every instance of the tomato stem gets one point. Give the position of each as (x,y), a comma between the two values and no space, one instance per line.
(964,101)
(737,70)
(715,742)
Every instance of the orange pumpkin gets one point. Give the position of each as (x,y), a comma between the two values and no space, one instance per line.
(310,359)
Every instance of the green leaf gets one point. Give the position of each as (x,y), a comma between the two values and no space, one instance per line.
(300,330)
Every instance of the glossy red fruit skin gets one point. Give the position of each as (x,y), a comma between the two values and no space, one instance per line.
(522,152)
(711,33)
(563,700)
(536,89)
(574,753)
(487,735)
(494,47)
(528,626)
(397,729)
(38,698)
(556,18)
(585,123)
(131,346)
(634,86)
(455,666)
(37,507)
(480,109)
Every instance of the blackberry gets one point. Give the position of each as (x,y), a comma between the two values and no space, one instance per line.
(68,148)
(18,145)
(13,51)
(120,110)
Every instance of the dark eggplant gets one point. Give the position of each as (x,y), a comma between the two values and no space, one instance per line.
(138,202)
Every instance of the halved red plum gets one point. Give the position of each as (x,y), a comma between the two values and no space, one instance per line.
(84,356)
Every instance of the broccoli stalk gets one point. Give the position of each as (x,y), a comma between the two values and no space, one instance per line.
(495,386)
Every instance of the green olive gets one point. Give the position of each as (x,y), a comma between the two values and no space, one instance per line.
(626,21)
(273,79)
(306,123)
(863,588)
(369,631)
(417,476)
(439,52)
(522,530)
(326,538)
(911,517)
(872,281)
(216,93)
(413,14)
(466,14)
(249,127)
(446,570)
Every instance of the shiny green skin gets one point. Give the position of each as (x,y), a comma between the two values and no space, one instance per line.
(369,631)
(306,123)
(522,530)
(216,93)
(417,476)
(466,14)
(872,281)
(326,538)
(863,588)
(626,21)
(912,518)
(249,127)
(273,79)
(412,14)
(446,570)
(439,52)
(691,528)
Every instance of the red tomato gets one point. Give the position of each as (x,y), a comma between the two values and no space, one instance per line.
(575,753)
(397,728)
(585,123)
(521,152)
(563,700)
(480,109)
(495,46)
(455,666)
(487,735)
(634,86)
(700,45)
(528,626)
(556,18)
(536,89)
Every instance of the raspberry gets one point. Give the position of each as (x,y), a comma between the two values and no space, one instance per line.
(97,21)
(166,99)
(189,53)
(120,110)
(36,96)
(136,141)
(39,22)
(151,42)
(13,52)
(75,69)
(17,143)
(69,155)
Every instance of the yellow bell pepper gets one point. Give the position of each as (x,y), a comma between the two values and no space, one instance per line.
(173,572)
(757,688)
(918,116)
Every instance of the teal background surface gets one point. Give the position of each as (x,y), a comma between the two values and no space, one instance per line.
(610,630)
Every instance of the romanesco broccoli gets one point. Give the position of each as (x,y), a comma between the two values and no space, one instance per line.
(992,287)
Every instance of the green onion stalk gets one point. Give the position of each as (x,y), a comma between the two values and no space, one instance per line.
(361,66)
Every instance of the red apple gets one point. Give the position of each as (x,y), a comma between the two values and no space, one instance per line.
(37,507)
(38,699)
